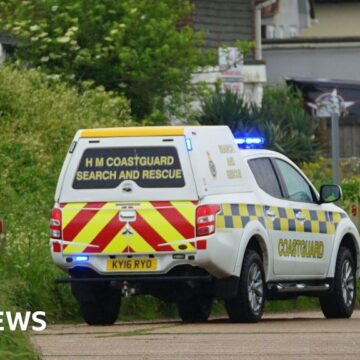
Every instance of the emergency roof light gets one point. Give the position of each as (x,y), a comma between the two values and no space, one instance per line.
(249,142)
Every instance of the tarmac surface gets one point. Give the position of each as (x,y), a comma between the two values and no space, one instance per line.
(299,335)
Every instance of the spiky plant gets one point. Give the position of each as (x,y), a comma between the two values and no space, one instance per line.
(282,120)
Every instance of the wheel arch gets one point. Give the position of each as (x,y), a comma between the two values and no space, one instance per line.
(257,243)
(255,237)
(349,242)
(347,238)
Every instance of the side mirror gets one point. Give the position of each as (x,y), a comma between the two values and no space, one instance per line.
(330,193)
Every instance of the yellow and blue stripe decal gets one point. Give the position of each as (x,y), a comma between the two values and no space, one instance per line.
(238,215)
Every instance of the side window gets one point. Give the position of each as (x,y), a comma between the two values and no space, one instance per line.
(265,176)
(297,187)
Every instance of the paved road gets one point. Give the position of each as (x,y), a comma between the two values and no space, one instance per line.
(278,336)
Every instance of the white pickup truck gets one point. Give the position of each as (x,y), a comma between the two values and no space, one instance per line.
(183,214)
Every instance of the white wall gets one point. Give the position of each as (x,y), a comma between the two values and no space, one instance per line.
(254,77)
(335,20)
(287,21)
(329,61)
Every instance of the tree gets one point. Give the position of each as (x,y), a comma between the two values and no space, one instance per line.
(134,47)
(281,120)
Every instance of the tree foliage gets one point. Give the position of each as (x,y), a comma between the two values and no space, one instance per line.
(39,118)
(281,120)
(134,47)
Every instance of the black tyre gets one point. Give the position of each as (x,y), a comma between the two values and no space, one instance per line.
(196,308)
(99,304)
(340,303)
(248,305)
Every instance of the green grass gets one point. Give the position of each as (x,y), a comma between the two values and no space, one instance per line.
(16,345)
(301,303)
(13,344)
(38,119)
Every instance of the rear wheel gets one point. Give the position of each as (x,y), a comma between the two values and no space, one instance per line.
(99,303)
(340,303)
(248,305)
(196,308)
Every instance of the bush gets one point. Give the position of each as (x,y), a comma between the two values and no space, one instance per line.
(39,117)
(320,173)
(13,344)
(281,120)
(137,48)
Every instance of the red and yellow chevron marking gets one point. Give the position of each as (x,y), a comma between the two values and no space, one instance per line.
(160,226)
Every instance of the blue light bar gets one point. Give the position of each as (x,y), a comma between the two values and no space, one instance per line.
(81,258)
(188,144)
(249,141)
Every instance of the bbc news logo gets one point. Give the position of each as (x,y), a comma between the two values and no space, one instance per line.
(23,321)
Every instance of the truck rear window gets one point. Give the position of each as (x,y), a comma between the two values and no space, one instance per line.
(147,166)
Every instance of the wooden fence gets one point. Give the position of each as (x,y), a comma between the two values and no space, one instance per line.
(349,137)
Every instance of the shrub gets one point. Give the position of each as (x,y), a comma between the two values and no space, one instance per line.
(39,117)
(320,172)
(137,48)
(281,120)
(13,344)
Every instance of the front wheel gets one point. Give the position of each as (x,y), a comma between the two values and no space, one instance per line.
(248,305)
(340,303)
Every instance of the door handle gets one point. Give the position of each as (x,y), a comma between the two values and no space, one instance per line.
(299,216)
(270,213)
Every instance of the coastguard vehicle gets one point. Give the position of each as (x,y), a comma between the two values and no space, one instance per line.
(183,214)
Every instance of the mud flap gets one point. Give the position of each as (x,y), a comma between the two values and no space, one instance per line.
(227,288)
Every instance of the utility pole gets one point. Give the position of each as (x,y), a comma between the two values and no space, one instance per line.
(335,148)
(258,46)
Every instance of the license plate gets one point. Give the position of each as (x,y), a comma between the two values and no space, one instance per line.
(139,264)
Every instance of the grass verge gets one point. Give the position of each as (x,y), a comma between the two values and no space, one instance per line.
(13,344)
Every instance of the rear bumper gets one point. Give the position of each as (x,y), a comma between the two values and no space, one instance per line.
(217,257)
(98,263)
(136,278)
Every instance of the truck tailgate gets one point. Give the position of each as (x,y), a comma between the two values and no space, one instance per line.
(111,228)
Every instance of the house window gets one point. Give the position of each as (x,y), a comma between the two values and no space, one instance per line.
(293,31)
(270,31)
(280,32)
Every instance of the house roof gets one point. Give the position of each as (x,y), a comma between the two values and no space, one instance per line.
(223,22)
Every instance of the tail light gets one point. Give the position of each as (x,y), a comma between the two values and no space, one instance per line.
(55,224)
(205,219)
